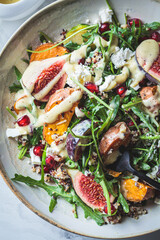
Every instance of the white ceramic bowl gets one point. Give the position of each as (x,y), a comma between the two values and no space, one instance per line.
(52,19)
(19,9)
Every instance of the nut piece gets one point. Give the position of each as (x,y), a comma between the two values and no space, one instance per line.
(114,138)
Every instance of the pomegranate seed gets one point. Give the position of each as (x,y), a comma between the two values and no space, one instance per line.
(121,90)
(91,87)
(38,150)
(156,36)
(136,20)
(23,121)
(81,61)
(50,162)
(112,209)
(131,123)
(46,169)
(104,27)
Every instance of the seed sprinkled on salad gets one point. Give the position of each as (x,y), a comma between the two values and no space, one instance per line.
(81,104)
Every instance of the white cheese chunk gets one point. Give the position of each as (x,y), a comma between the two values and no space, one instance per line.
(34,159)
(14,132)
(79,113)
(105,15)
(119,58)
(79,72)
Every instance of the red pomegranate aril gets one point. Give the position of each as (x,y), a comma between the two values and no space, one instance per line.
(131,123)
(121,90)
(38,150)
(81,61)
(156,36)
(50,162)
(136,20)
(91,87)
(104,27)
(23,121)
(46,169)
(113,209)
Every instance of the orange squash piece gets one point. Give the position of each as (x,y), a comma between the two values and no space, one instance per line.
(136,191)
(113,173)
(15,109)
(62,123)
(54,52)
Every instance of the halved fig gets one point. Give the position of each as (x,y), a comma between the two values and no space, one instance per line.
(148,59)
(45,73)
(88,190)
(73,148)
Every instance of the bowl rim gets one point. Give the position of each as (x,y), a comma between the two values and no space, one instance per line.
(3,173)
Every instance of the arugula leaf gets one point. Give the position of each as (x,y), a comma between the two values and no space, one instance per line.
(143,118)
(44,38)
(15,87)
(88,212)
(58,191)
(22,151)
(52,204)
(123,202)
(36,137)
(18,73)
(72,46)
(151,26)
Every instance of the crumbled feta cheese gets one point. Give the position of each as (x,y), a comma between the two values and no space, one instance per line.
(34,159)
(119,58)
(79,72)
(105,15)
(79,113)
(14,132)
(105,85)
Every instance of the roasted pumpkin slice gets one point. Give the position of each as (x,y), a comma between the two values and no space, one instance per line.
(54,52)
(62,123)
(136,191)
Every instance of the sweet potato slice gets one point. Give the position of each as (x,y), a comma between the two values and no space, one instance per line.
(113,173)
(115,137)
(15,107)
(62,123)
(54,52)
(136,191)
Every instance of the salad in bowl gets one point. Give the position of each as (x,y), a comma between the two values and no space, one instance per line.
(81,102)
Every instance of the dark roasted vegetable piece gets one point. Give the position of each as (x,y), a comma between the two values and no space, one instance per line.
(80,130)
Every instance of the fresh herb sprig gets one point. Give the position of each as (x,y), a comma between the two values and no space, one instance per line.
(15,87)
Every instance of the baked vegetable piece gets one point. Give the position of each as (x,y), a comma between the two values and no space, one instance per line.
(136,191)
